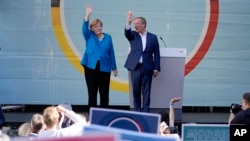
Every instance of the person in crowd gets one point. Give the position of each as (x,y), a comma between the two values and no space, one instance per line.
(243,116)
(53,117)
(4,137)
(29,130)
(83,117)
(143,60)
(168,128)
(66,122)
(164,116)
(98,60)
(24,129)
(36,124)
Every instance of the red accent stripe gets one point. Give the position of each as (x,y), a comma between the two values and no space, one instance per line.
(203,49)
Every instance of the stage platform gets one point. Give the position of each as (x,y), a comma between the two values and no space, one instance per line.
(19,117)
(23,113)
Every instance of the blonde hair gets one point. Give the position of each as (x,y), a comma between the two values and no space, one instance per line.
(36,123)
(51,116)
(94,22)
(24,129)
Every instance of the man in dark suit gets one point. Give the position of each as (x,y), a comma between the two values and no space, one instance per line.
(143,61)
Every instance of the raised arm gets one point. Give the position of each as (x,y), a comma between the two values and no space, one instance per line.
(89,10)
(71,115)
(130,17)
(171,110)
(85,25)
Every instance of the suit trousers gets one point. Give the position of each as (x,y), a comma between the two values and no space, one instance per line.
(141,84)
(97,80)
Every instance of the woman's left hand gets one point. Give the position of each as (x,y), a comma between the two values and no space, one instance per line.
(115,72)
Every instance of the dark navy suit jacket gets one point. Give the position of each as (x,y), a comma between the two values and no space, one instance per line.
(150,56)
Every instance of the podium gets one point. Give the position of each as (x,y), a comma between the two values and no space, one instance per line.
(168,84)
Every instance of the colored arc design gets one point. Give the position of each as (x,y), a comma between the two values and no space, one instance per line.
(128,120)
(206,39)
(195,57)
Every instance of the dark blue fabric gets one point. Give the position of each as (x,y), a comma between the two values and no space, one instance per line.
(141,74)
(242,117)
(2,117)
(141,83)
(151,54)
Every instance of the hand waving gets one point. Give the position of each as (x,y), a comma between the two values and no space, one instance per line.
(130,17)
(89,9)
(115,72)
(175,99)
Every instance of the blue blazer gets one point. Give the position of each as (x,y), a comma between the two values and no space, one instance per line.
(150,56)
(98,50)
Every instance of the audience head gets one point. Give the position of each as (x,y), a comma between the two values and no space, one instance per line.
(164,116)
(36,123)
(24,129)
(164,128)
(66,106)
(4,137)
(66,121)
(51,117)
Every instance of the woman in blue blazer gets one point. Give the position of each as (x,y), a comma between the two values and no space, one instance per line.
(98,60)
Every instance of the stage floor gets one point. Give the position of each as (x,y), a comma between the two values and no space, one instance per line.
(204,115)
(15,117)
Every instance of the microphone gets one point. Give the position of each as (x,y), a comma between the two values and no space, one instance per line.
(163,42)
